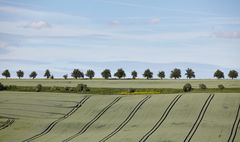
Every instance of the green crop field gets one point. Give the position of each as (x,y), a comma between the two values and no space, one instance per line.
(211,83)
(54,117)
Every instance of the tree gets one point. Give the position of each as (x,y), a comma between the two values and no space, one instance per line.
(90,74)
(120,73)
(81,74)
(77,74)
(52,77)
(161,74)
(20,74)
(47,74)
(33,75)
(190,73)
(6,73)
(218,74)
(134,74)
(187,87)
(176,73)
(148,74)
(106,74)
(65,76)
(233,74)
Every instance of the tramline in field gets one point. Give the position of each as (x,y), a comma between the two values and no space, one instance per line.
(184,117)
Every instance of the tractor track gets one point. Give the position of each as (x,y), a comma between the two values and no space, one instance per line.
(129,117)
(85,128)
(199,119)
(7,123)
(161,120)
(50,126)
(235,127)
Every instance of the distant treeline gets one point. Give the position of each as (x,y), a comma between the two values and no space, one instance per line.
(120,73)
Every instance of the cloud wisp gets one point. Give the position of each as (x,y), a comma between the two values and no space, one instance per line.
(129,4)
(154,21)
(37,25)
(32,13)
(227,34)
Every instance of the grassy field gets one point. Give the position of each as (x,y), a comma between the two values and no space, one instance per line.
(211,83)
(44,117)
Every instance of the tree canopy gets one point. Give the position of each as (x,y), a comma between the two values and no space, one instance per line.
(120,73)
(6,73)
(20,74)
(106,74)
(134,74)
(176,73)
(90,74)
(233,74)
(218,74)
(190,73)
(65,76)
(33,75)
(161,74)
(148,74)
(77,74)
(47,74)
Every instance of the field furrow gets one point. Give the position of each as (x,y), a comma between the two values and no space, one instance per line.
(160,121)
(218,120)
(78,120)
(50,126)
(111,119)
(54,117)
(130,116)
(235,127)
(199,119)
(84,129)
(7,123)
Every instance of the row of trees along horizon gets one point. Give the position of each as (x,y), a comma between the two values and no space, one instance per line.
(106,74)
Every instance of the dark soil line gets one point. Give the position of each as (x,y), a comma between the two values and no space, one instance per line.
(199,119)
(234,127)
(84,129)
(160,121)
(129,117)
(50,126)
(7,124)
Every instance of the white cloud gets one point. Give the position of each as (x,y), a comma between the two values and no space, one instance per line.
(156,7)
(227,34)
(38,25)
(76,31)
(39,13)
(161,36)
(3,44)
(154,21)
(54,31)
(114,23)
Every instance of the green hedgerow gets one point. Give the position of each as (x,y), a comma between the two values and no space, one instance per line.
(38,88)
(1,86)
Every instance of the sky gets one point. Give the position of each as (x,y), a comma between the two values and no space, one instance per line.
(58,33)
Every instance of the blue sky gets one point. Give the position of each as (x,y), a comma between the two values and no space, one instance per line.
(53,34)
